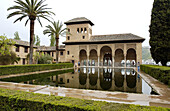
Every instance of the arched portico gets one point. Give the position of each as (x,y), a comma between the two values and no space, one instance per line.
(131,57)
(106,56)
(93,57)
(119,57)
(83,57)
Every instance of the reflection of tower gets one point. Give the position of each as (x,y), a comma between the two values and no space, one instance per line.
(139,84)
(106,80)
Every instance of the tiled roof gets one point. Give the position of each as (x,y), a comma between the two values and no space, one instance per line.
(115,37)
(22,43)
(79,20)
(49,48)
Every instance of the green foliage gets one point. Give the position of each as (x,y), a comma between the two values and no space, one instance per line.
(160,31)
(45,59)
(9,58)
(28,101)
(146,53)
(5,45)
(16,36)
(162,73)
(16,69)
(36,40)
(52,40)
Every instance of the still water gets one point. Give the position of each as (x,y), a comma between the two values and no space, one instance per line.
(109,79)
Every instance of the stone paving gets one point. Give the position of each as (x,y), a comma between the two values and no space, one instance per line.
(162,100)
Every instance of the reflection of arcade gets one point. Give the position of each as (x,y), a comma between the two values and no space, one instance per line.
(125,80)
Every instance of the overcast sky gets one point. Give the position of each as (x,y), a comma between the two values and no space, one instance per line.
(109,17)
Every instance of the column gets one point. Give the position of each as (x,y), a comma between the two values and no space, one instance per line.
(125,60)
(98,61)
(87,60)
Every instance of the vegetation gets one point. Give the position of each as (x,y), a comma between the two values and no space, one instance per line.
(9,59)
(36,40)
(52,40)
(16,69)
(5,45)
(45,59)
(55,30)
(162,73)
(159,31)
(146,53)
(33,9)
(16,36)
(28,101)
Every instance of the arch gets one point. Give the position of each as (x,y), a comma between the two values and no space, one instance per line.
(119,78)
(106,80)
(119,56)
(106,56)
(131,56)
(93,57)
(83,76)
(83,57)
(131,79)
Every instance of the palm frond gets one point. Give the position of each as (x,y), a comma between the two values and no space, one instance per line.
(20,18)
(20,2)
(26,21)
(15,13)
(39,21)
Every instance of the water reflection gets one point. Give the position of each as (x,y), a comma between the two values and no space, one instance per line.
(125,80)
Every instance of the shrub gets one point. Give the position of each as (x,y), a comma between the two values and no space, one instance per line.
(16,69)
(162,73)
(28,101)
(45,59)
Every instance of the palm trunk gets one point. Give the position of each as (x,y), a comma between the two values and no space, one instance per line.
(31,40)
(57,51)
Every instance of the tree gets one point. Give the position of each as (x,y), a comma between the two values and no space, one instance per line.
(52,40)
(34,10)
(56,30)
(16,36)
(5,45)
(160,31)
(10,58)
(36,40)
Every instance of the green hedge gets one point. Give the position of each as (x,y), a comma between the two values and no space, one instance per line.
(15,69)
(162,73)
(11,100)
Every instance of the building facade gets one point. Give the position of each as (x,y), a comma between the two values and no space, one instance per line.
(84,49)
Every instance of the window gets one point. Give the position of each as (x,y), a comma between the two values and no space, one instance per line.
(61,80)
(68,37)
(68,52)
(48,53)
(61,53)
(85,30)
(23,62)
(17,48)
(81,30)
(67,80)
(26,50)
(52,54)
(54,59)
(83,37)
(77,30)
(68,30)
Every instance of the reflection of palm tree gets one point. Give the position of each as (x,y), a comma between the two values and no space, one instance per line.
(33,10)
(55,29)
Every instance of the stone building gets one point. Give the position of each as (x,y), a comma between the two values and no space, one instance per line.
(86,49)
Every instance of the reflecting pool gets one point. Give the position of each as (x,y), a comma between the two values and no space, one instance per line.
(109,79)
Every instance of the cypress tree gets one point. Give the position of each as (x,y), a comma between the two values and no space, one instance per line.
(160,31)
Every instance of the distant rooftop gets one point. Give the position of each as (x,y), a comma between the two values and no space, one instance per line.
(49,48)
(79,20)
(22,43)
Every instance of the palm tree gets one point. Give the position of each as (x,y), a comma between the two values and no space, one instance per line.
(34,10)
(55,30)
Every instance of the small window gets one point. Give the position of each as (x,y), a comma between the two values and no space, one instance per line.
(61,53)
(67,80)
(83,37)
(61,79)
(81,30)
(77,30)
(68,30)
(48,53)
(17,48)
(72,56)
(54,59)
(26,50)
(85,30)
(68,37)
(68,52)
(52,54)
